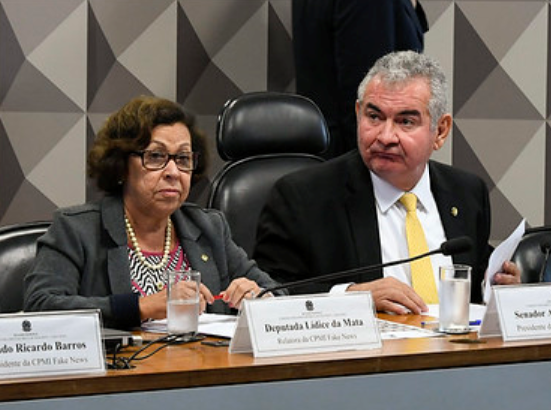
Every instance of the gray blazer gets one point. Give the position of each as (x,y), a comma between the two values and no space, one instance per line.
(82,260)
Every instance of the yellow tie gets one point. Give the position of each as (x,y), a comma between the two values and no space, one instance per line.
(422,275)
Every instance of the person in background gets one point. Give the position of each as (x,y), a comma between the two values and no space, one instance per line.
(112,254)
(336,42)
(349,212)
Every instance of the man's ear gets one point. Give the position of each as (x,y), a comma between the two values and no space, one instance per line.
(443,129)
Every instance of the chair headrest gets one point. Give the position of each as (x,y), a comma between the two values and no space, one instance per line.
(268,122)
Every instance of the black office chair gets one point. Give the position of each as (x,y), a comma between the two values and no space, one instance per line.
(17,252)
(263,135)
(532,253)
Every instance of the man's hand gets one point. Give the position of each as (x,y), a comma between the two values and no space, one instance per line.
(392,295)
(509,276)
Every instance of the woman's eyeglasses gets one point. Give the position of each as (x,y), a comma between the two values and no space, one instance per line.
(156,160)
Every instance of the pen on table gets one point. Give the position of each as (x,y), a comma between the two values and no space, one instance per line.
(435,322)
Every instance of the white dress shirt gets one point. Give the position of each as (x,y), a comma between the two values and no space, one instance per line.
(391,216)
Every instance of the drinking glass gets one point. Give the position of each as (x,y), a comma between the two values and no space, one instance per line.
(183,302)
(455,294)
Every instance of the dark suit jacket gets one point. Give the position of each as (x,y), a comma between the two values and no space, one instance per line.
(323,220)
(335,44)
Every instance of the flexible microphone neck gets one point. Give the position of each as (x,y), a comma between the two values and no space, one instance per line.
(450,247)
(546,249)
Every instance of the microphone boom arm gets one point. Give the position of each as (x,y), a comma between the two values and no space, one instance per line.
(346,273)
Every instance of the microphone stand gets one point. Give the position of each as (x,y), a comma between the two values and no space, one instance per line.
(350,272)
(546,248)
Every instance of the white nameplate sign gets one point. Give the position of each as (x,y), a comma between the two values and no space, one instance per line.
(50,344)
(306,324)
(518,313)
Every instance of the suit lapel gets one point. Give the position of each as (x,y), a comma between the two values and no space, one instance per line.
(117,257)
(362,215)
(200,257)
(448,204)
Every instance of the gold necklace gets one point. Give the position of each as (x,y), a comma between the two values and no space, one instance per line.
(136,246)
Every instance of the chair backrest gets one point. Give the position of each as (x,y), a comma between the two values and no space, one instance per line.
(17,252)
(263,136)
(529,255)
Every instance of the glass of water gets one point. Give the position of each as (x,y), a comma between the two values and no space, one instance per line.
(183,302)
(455,294)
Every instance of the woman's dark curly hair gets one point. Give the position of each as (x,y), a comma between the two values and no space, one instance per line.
(128,130)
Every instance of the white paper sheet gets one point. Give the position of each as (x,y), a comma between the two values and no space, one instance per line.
(211,324)
(224,326)
(476,312)
(392,330)
(501,254)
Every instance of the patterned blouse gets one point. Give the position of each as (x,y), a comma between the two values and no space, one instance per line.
(147,281)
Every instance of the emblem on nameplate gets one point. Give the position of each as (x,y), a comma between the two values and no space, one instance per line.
(26,326)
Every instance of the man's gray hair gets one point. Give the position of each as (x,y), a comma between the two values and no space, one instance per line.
(403,66)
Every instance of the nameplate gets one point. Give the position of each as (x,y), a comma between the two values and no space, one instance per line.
(518,313)
(50,344)
(306,324)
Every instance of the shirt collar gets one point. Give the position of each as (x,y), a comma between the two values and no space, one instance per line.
(386,194)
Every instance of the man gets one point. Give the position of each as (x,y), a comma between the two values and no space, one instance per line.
(326,35)
(347,212)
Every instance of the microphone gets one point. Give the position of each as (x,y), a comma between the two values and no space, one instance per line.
(545,248)
(451,247)
(457,245)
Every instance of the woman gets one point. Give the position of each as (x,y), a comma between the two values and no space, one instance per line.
(112,254)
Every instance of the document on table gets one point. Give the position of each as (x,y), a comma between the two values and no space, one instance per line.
(476,312)
(501,254)
(391,330)
(211,324)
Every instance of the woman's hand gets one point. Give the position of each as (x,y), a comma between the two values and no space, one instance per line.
(187,290)
(153,306)
(205,297)
(238,290)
